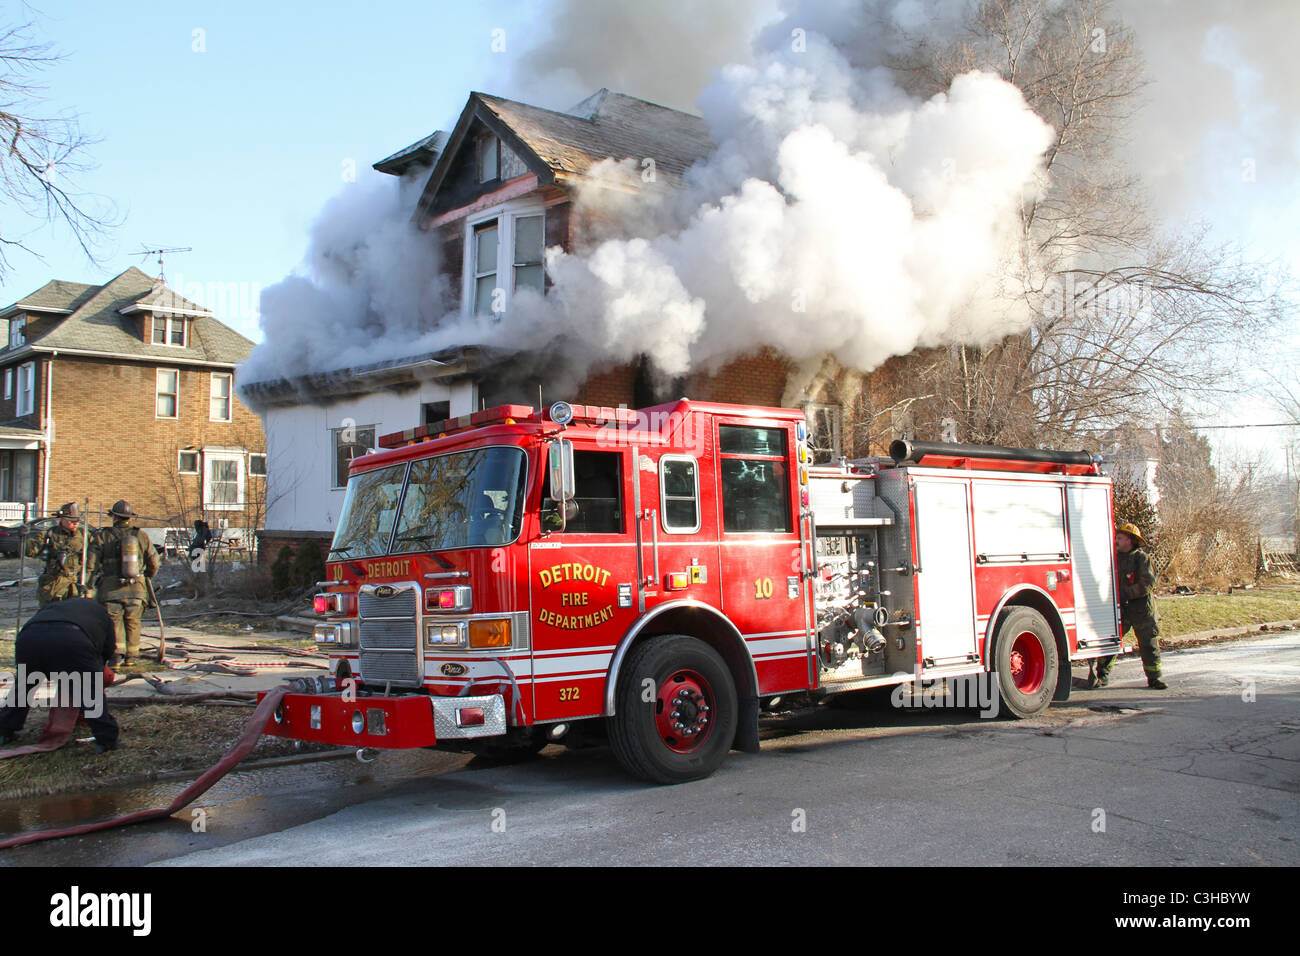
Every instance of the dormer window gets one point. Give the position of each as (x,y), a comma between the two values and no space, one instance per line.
(488,158)
(169,330)
(17,326)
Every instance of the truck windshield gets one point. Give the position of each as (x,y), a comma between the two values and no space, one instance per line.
(463,500)
(368,513)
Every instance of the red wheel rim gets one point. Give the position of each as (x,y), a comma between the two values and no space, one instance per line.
(1028,662)
(684,711)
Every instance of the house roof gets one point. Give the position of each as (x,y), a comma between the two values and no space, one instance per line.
(106,320)
(424,152)
(606,125)
(55,296)
(357,379)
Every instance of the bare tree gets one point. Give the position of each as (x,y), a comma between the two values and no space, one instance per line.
(1127,321)
(40,154)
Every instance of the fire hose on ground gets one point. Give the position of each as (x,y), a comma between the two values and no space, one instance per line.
(58,731)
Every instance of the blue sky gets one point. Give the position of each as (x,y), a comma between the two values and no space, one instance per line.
(229,140)
(225,126)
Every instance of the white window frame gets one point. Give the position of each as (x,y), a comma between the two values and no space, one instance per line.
(16,327)
(210,458)
(251,472)
(26,403)
(169,322)
(505,215)
(229,397)
(157,393)
(9,383)
(663,495)
(180,462)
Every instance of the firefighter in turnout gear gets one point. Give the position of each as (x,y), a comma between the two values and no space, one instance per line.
(1137,605)
(126,558)
(62,547)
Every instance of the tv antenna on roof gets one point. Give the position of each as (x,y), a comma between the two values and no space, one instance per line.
(162,278)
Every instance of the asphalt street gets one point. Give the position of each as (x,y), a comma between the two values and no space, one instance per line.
(1203,774)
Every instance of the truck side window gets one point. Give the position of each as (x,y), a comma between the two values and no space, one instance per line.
(755,479)
(598,486)
(679,492)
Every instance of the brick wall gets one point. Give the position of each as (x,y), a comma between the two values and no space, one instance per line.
(110,444)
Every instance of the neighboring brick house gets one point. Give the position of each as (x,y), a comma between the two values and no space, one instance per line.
(499,191)
(126,390)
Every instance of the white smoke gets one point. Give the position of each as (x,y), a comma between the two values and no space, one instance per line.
(370,282)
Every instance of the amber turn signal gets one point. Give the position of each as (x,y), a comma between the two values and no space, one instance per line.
(489,633)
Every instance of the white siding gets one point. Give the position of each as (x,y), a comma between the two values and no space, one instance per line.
(300,448)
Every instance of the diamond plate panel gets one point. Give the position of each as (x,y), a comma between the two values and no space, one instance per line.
(444,716)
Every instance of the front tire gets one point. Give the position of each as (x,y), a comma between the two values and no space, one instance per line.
(1026,662)
(675,710)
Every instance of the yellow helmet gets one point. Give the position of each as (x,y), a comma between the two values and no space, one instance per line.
(1130,529)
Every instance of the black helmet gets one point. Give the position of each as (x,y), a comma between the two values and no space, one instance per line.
(121,509)
(70,510)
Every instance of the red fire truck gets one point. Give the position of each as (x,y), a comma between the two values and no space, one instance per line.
(500,579)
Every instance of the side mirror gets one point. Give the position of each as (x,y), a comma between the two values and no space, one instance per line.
(561,464)
(560,461)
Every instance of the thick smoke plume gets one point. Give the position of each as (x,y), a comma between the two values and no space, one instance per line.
(838,215)
(370,282)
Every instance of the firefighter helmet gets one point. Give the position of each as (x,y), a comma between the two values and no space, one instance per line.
(121,509)
(1130,529)
(70,510)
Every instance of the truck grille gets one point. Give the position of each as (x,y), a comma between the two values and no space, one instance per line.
(390,634)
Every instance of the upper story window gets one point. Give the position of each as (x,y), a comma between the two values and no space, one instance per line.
(167,393)
(489,158)
(219,403)
(17,330)
(491,278)
(9,383)
(169,330)
(26,389)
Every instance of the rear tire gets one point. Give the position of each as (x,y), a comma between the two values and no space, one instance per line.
(683,732)
(1026,662)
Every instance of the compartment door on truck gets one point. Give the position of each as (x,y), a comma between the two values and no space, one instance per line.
(945,585)
(1092,544)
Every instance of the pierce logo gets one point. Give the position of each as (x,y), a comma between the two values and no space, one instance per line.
(385,591)
(453,670)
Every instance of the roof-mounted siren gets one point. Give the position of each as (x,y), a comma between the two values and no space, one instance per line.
(561,413)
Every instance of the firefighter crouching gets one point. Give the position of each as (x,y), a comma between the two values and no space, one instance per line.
(62,547)
(1137,605)
(64,640)
(126,558)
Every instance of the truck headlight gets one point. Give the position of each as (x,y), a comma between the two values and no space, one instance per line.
(444,635)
